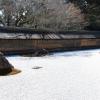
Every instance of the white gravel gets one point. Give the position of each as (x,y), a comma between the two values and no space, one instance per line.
(62,76)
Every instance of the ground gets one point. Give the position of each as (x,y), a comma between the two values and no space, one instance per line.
(61,76)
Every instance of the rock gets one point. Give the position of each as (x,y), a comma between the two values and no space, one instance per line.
(5,66)
(37,67)
(41,52)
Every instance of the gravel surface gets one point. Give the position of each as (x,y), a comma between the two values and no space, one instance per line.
(61,76)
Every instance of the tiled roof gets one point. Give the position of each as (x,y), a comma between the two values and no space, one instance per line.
(23,33)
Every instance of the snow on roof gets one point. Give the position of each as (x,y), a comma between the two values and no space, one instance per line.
(46,36)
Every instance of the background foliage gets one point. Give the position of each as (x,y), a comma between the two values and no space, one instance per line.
(51,14)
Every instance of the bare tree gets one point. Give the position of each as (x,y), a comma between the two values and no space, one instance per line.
(16,13)
(42,14)
(7,9)
(59,15)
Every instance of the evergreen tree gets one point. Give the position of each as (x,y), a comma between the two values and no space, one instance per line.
(91,9)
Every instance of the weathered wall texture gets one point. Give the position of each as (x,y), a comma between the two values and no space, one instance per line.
(22,44)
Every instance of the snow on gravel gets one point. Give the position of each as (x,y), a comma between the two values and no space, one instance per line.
(61,76)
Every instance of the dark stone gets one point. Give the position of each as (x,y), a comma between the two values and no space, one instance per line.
(41,52)
(5,66)
(37,67)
